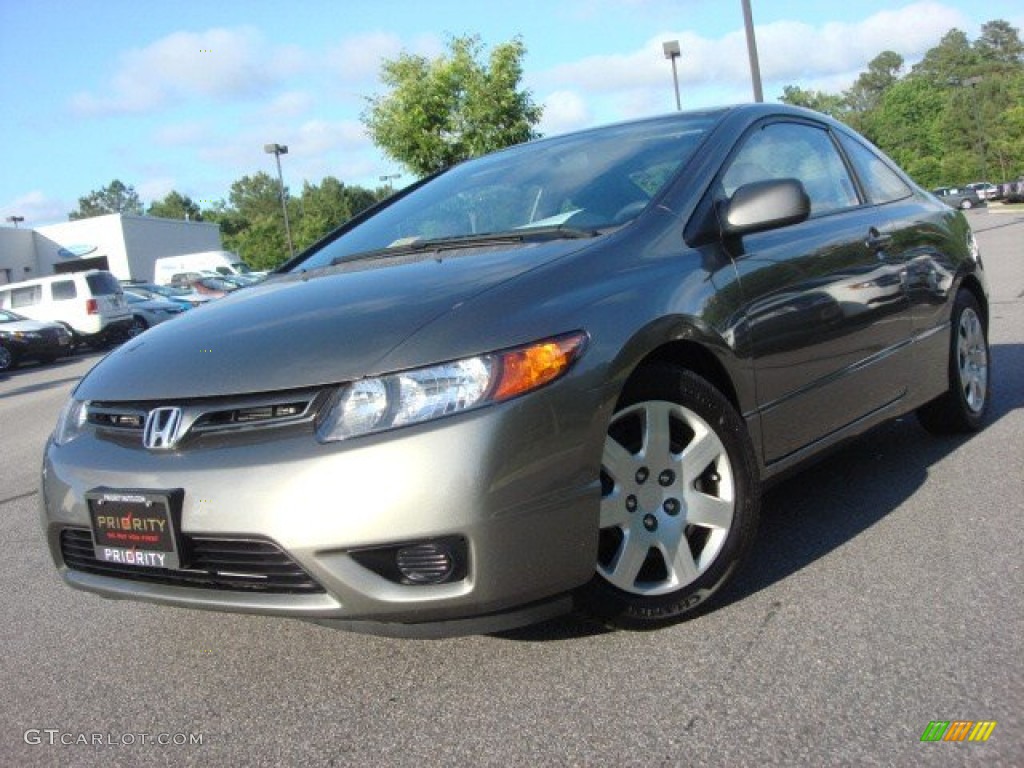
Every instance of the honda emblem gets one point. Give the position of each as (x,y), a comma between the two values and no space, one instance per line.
(162,426)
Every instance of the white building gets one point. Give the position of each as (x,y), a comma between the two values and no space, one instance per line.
(126,245)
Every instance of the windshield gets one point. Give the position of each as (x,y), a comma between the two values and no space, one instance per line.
(592,180)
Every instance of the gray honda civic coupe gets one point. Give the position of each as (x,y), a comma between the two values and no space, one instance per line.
(552,378)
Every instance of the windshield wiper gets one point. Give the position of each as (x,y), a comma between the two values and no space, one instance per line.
(411,245)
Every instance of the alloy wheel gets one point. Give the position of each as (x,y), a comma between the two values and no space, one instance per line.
(668,498)
(972,359)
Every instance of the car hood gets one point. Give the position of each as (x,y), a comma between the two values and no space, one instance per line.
(299,330)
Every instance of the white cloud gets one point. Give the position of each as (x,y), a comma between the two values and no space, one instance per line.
(215,64)
(36,208)
(155,188)
(182,134)
(317,137)
(564,111)
(789,52)
(288,104)
(357,60)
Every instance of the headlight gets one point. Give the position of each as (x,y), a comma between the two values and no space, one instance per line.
(25,335)
(71,422)
(972,247)
(411,397)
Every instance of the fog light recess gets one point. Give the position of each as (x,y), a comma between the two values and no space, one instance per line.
(428,563)
(418,563)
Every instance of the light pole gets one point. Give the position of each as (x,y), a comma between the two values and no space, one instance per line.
(15,220)
(388,178)
(755,68)
(671,49)
(277,150)
(979,134)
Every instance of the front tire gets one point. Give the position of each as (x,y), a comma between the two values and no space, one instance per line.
(964,405)
(7,360)
(680,500)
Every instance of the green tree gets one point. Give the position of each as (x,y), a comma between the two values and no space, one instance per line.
(954,118)
(116,197)
(882,73)
(252,223)
(256,196)
(907,125)
(952,60)
(175,206)
(438,113)
(826,103)
(324,207)
(1000,43)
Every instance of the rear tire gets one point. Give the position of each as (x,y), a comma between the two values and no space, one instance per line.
(139,325)
(964,405)
(8,362)
(680,500)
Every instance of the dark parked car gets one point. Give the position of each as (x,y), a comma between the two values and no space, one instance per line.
(959,197)
(1012,191)
(556,376)
(24,339)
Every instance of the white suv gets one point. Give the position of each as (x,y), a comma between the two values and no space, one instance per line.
(89,304)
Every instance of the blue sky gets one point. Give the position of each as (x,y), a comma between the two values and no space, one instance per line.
(184,95)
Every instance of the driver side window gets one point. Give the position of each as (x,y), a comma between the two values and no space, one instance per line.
(794,151)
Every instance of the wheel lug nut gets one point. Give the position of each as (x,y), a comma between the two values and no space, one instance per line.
(642,474)
(650,522)
(631,503)
(671,506)
(667,477)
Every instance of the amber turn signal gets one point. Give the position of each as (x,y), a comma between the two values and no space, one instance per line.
(534,366)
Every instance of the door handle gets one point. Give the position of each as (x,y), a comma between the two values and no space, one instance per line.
(876,242)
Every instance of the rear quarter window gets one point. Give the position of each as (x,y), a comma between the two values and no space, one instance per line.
(63,290)
(103,284)
(882,183)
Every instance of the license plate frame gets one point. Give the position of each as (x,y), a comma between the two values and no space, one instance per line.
(136,528)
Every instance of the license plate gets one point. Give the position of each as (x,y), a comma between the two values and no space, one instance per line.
(134,528)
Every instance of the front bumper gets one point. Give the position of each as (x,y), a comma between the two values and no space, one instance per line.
(38,349)
(518,482)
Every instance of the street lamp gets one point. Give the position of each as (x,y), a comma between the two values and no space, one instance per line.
(388,178)
(277,150)
(671,49)
(15,220)
(972,83)
(755,68)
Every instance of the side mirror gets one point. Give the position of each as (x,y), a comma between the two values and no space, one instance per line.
(764,205)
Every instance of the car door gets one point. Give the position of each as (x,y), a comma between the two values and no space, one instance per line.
(826,309)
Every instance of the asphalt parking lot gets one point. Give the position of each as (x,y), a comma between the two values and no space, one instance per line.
(886,592)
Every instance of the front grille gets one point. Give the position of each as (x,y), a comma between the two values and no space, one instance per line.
(236,565)
(212,416)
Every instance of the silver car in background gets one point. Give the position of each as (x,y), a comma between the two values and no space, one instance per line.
(553,377)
